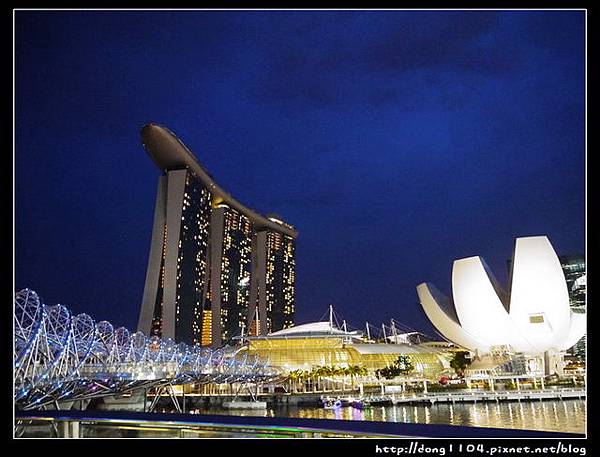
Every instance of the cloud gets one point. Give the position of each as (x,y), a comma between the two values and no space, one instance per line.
(390,63)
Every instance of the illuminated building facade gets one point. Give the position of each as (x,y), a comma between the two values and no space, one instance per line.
(272,289)
(180,241)
(307,346)
(231,271)
(215,266)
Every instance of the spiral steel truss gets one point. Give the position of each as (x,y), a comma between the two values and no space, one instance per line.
(59,357)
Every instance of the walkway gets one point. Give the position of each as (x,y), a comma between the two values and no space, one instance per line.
(475,396)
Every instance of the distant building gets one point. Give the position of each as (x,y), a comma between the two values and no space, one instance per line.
(575,274)
(574,271)
(215,266)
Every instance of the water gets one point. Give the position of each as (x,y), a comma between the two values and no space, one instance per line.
(561,416)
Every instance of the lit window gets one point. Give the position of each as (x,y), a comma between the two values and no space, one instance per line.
(536,319)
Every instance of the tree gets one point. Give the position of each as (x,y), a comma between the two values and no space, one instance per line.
(460,361)
(362,371)
(294,377)
(405,365)
(389,372)
(401,366)
(317,373)
(355,370)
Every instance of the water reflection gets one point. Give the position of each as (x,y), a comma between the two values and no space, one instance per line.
(565,416)
(357,414)
(338,413)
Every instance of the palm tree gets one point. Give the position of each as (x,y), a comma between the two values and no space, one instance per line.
(296,377)
(293,378)
(330,372)
(316,373)
(356,370)
(305,376)
(300,377)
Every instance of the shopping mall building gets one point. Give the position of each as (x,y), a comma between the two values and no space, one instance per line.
(321,344)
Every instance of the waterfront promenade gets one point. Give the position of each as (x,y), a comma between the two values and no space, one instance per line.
(477,396)
(314,398)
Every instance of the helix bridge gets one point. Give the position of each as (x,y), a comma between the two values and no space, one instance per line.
(61,357)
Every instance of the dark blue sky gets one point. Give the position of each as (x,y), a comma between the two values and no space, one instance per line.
(395,142)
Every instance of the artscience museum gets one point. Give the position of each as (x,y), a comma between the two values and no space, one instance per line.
(531,317)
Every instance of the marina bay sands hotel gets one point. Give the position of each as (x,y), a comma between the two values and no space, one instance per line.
(216,268)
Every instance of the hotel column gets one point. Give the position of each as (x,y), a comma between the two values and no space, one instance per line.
(175,190)
(154,259)
(216,253)
(258,281)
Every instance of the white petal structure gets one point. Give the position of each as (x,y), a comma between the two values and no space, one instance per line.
(533,317)
(440,312)
(576,329)
(539,302)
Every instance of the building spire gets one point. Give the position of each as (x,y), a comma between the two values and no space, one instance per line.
(331,319)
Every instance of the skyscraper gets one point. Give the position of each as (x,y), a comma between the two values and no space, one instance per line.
(272,289)
(215,266)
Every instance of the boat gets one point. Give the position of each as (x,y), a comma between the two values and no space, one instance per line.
(380,401)
(330,403)
(245,405)
(360,404)
(347,401)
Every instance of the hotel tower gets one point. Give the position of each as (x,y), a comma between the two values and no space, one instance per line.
(216,268)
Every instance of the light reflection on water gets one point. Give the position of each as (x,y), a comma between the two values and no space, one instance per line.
(564,416)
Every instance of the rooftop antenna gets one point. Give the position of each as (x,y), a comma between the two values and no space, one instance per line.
(384,335)
(394,331)
(368,333)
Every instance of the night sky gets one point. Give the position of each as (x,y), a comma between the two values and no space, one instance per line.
(395,142)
